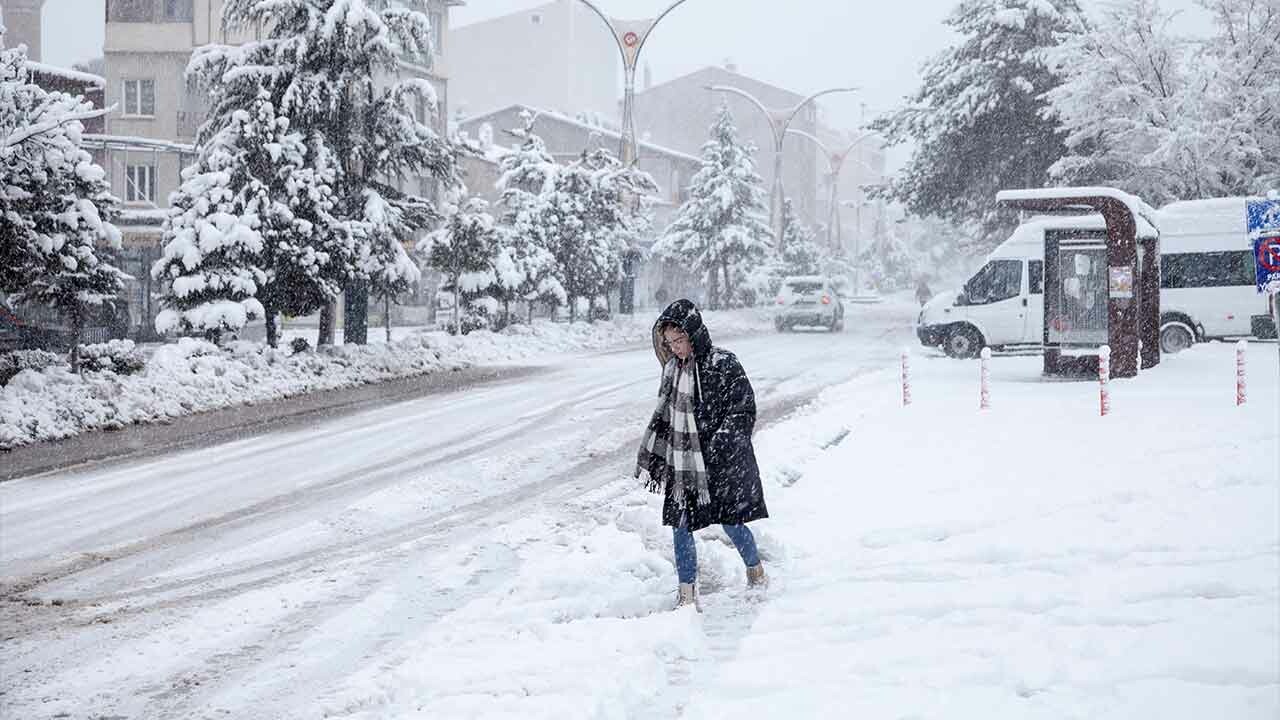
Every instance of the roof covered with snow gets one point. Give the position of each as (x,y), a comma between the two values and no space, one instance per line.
(89,79)
(716,72)
(1135,204)
(574,122)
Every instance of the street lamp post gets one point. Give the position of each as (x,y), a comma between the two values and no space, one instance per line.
(779,121)
(630,36)
(857,241)
(835,163)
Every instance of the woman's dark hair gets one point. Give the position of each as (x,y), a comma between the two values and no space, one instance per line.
(668,324)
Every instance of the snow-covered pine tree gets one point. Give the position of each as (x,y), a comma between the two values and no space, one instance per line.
(464,250)
(55,203)
(889,261)
(1170,117)
(720,231)
(561,222)
(335,69)
(978,120)
(528,171)
(252,232)
(801,254)
(524,270)
(614,217)
(525,267)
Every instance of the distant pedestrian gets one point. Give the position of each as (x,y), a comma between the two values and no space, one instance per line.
(697,447)
(923,293)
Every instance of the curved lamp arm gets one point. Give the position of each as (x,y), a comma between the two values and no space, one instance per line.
(826,151)
(613,31)
(655,22)
(743,93)
(608,23)
(796,110)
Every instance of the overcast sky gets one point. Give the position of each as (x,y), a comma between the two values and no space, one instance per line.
(802,45)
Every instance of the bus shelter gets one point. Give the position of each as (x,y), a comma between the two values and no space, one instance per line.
(1099,288)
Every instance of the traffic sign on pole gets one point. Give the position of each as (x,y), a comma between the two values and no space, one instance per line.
(1264,232)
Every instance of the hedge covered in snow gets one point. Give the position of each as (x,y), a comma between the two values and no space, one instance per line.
(48,402)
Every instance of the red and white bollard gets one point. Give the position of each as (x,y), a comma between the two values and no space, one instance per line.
(1240,381)
(906,377)
(984,402)
(1104,379)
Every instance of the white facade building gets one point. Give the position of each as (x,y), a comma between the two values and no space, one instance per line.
(558,56)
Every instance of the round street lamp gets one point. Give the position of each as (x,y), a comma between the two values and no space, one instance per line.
(779,121)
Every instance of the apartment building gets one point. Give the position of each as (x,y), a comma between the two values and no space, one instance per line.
(149,136)
(557,56)
(679,112)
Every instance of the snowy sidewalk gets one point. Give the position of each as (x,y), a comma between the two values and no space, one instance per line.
(1030,561)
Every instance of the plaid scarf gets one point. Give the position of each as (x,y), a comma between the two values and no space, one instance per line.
(677,453)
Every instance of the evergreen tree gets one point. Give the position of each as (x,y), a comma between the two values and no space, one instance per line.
(252,232)
(55,204)
(525,269)
(889,261)
(1170,117)
(613,218)
(720,231)
(979,120)
(801,254)
(464,250)
(334,68)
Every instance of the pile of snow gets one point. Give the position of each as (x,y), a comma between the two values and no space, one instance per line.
(1034,560)
(193,376)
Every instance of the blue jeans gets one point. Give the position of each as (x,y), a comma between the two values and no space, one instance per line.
(687,551)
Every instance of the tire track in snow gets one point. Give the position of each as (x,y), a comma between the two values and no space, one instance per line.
(603,479)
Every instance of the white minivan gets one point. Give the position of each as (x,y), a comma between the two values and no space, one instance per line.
(1206,289)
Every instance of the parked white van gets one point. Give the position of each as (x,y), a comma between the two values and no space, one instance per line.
(1206,288)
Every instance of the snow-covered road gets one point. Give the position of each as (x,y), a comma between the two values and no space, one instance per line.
(287,574)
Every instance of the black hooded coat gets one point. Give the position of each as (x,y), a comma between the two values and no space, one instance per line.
(725,409)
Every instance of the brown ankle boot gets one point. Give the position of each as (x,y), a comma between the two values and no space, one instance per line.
(756,577)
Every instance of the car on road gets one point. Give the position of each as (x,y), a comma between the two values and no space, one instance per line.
(808,300)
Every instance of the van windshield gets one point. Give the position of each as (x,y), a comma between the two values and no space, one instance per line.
(997,280)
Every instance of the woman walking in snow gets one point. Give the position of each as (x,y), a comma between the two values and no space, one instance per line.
(697,447)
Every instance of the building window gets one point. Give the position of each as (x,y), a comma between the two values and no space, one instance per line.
(437,32)
(140,98)
(140,184)
(131,10)
(178,10)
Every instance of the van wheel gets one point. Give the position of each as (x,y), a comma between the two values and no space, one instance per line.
(964,341)
(1176,336)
